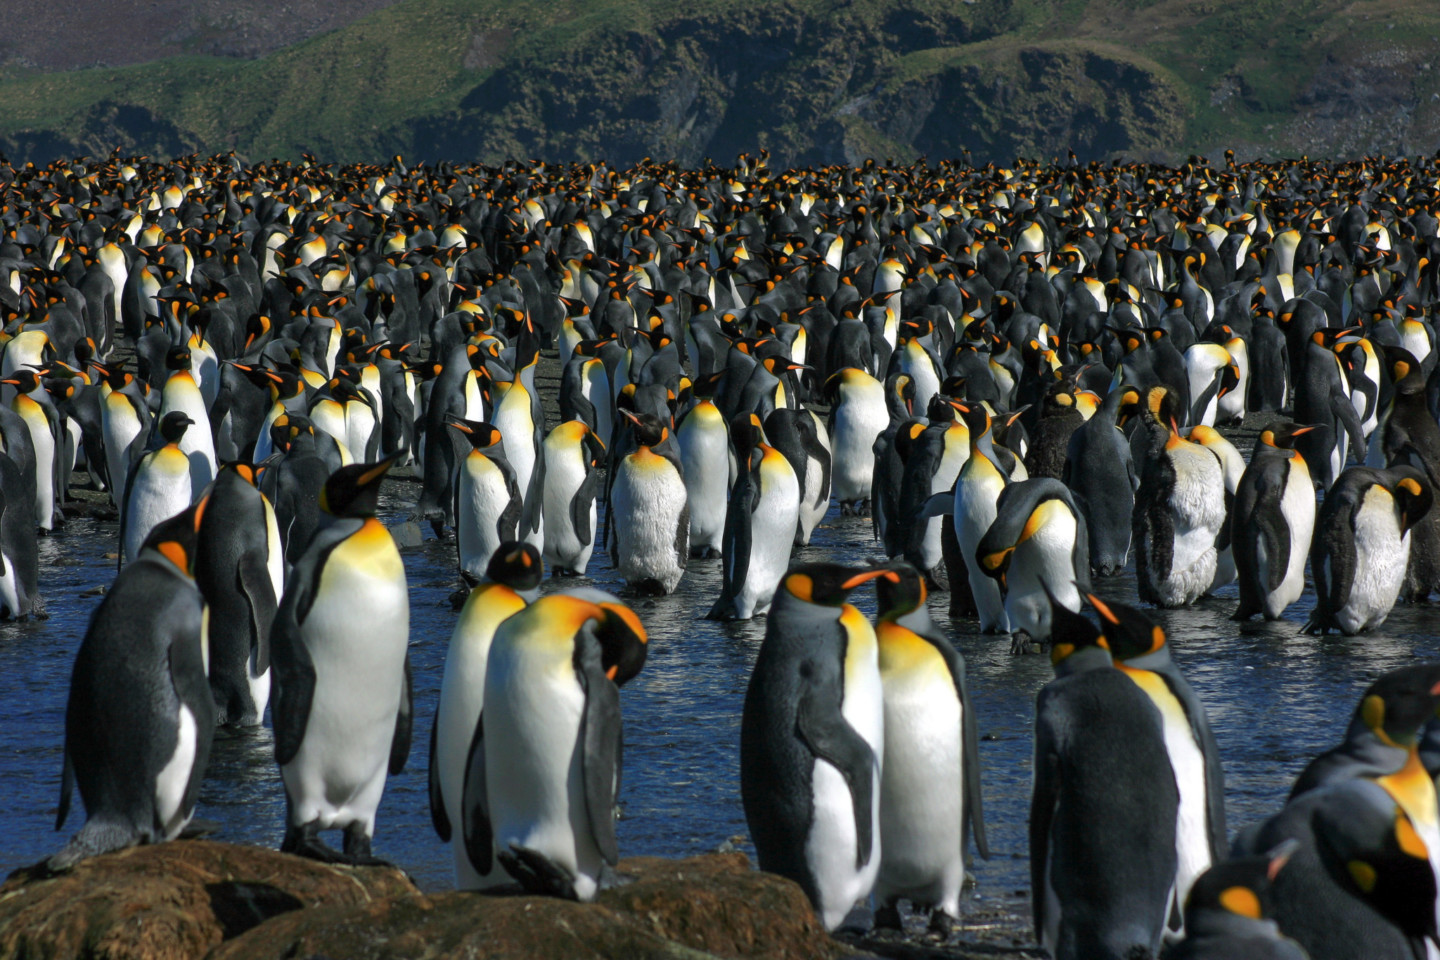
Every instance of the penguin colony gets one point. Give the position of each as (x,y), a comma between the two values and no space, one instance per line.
(1021,371)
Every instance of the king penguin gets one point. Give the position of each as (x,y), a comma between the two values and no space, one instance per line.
(488,500)
(512,579)
(648,523)
(573,454)
(182,394)
(544,768)
(930,788)
(140,719)
(125,420)
(342,708)
(1103,808)
(240,570)
(705,458)
(1273,523)
(1228,914)
(812,740)
(977,490)
(760,524)
(1361,546)
(158,485)
(858,416)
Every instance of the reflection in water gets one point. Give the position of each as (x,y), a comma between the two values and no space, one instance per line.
(1275,698)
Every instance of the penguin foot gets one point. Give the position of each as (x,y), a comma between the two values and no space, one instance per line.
(304,842)
(357,848)
(437,524)
(1021,643)
(611,878)
(537,873)
(942,923)
(887,917)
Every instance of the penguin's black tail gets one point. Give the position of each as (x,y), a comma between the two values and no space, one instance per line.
(96,837)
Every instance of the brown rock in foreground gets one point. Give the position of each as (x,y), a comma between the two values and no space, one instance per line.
(711,906)
(172,900)
(196,899)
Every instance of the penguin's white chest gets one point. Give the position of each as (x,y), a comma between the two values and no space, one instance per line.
(648,500)
(565,471)
(174,777)
(1381,556)
(859,419)
(704,455)
(1297,510)
(772,533)
(483,498)
(161,489)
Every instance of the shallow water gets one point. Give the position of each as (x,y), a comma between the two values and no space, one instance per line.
(1275,699)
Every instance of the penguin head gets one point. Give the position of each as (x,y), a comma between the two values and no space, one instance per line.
(1129,401)
(517,565)
(175,539)
(1412,491)
(177,358)
(829,584)
(649,430)
(354,491)
(481,435)
(24,380)
(1071,632)
(1405,370)
(173,426)
(1282,435)
(976,417)
(899,594)
(624,643)
(1240,886)
(1162,408)
(1397,705)
(1128,632)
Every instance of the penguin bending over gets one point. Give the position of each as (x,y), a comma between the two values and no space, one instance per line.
(342,707)
(544,767)
(1361,546)
(930,788)
(812,740)
(512,579)
(139,720)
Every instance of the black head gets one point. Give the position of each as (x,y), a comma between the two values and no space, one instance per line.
(649,431)
(1412,491)
(829,584)
(176,539)
(1240,886)
(517,565)
(354,491)
(899,594)
(173,426)
(24,380)
(481,435)
(1405,370)
(1282,435)
(1070,631)
(177,358)
(1128,632)
(1401,702)
(1162,407)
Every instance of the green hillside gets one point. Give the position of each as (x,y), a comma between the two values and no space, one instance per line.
(811,80)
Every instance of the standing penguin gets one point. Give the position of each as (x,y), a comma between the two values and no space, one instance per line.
(158,485)
(1103,810)
(1361,546)
(19,544)
(760,524)
(796,434)
(977,490)
(1233,466)
(124,420)
(1039,550)
(140,719)
(1179,509)
(1274,520)
(705,458)
(1138,646)
(240,570)
(648,523)
(573,454)
(544,768)
(183,395)
(1100,471)
(812,740)
(34,407)
(859,415)
(1408,433)
(488,500)
(512,579)
(342,708)
(930,789)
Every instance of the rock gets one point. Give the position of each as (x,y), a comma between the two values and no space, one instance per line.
(710,906)
(172,900)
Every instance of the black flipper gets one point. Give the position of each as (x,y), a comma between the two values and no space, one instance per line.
(404,723)
(828,736)
(253,580)
(477,832)
(1042,811)
(438,817)
(580,505)
(600,741)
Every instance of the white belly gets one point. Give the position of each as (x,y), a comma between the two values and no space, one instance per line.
(564,475)
(1297,508)
(483,497)
(1046,559)
(161,490)
(197,444)
(120,426)
(1197,512)
(1381,556)
(772,527)
(974,513)
(705,456)
(174,777)
(857,424)
(647,503)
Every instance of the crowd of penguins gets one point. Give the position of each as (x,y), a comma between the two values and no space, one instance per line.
(1021,372)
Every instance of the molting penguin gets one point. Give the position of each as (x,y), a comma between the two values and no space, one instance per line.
(511,580)
(140,719)
(544,768)
(1039,551)
(812,740)
(342,708)
(1361,546)
(1233,466)
(240,570)
(1179,509)
(648,522)
(573,454)
(930,788)
(1103,810)
(760,524)
(158,486)
(1273,522)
